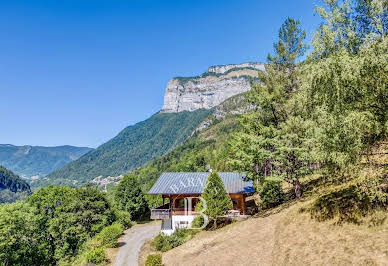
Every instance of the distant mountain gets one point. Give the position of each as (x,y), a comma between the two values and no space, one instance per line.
(35,161)
(12,187)
(132,147)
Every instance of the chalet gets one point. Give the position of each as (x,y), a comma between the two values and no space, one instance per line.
(182,191)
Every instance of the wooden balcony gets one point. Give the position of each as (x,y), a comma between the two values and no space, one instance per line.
(182,211)
(161,212)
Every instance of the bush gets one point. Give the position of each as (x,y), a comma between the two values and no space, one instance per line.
(124,218)
(271,194)
(163,243)
(109,235)
(154,260)
(351,202)
(96,256)
(198,221)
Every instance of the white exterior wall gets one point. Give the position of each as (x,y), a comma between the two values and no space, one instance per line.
(177,222)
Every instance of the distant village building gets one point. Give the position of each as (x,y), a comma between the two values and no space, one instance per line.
(183,191)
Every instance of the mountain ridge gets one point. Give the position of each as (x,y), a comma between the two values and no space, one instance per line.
(32,162)
(132,147)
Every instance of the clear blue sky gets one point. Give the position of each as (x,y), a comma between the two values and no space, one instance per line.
(78,72)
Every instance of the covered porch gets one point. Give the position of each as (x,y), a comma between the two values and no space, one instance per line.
(175,205)
(185,205)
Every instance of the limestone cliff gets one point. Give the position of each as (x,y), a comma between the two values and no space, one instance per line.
(209,89)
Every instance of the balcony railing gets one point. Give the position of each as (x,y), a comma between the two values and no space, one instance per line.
(161,212)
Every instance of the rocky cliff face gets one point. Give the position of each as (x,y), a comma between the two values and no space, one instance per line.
(210,89)
(224,68)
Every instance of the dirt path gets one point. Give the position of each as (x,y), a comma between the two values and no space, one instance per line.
(132,242)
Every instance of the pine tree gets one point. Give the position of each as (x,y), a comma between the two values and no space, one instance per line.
(130,198)
(259,149)
(217,199)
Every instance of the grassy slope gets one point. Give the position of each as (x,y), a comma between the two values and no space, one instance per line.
(287,235)
(131,148)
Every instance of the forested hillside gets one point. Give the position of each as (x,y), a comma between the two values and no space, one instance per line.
(12,187)
(206,148)
(36,161)
(132,147)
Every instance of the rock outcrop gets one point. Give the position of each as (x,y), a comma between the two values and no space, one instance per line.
(209,89)
(221,69)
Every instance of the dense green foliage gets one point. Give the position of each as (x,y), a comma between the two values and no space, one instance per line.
(12,187)
(68,217)
(109,235)
(20,240)
(322,113)
(130,198)
(271,194)
(131,148)
(123,218)
(55,224)
(94,250)
(218,202)
(30,161)
(154,260)
(164,243)
(96,256)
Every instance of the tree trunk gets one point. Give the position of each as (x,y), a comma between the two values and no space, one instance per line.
(297,188)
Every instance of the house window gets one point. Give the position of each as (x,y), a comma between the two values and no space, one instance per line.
(234,202)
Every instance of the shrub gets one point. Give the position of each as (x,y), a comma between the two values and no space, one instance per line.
(164,243)
(161,243)
(109,235)
(352,201)
(96,256)
(272,193)
(154,260)
(198,221)
(124,218)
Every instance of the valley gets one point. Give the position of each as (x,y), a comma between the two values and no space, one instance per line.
(221,92)
(34,162)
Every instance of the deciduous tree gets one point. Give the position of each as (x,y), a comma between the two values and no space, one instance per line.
(129,197)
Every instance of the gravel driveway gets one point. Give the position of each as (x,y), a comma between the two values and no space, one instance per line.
(133,240)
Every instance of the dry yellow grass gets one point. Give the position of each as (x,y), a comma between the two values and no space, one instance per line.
(285,237)
(288,236)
